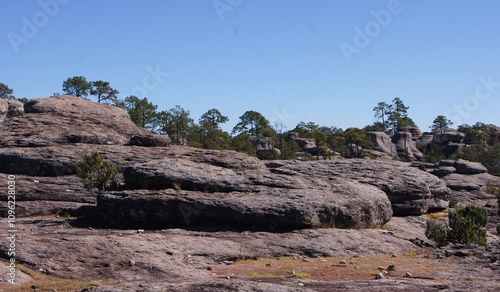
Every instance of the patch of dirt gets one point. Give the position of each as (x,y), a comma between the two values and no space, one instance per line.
(339,269)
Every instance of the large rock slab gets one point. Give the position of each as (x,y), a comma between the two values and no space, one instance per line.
(67,119)
(189,195)
(410,190)
(469,167)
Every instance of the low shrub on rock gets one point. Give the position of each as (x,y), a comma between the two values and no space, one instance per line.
(96,172)
(465,226)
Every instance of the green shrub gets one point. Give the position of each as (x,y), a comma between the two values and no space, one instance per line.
(465,226)
(95,172)
(436,232)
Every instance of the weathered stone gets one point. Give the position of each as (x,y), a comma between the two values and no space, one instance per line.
(425,140)
(383,143)
(406,147)
(450,135)
(414,131)
(463,186)
(468,167)
(409,189)
(225,199)
(151,140)
(425,165)
(4,108)
(16,108)
(446,162)
(306,144)
(68,119)
(443,170)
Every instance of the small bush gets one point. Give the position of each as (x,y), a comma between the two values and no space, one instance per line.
(95,172)
(437,232)
(465,226)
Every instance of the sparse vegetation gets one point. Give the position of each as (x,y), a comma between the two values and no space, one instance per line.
(96,172)
(465,226)
(328,269)
(43,282)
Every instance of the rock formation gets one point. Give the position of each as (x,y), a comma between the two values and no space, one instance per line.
(411,191)
(66,120)
(4,108)
(196,198)
(406,146)
(383,143)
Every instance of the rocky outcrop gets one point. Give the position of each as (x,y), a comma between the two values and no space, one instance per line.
(406,147)
(383,143)
(161,184)
(295,204)
(306,144)
(414,131)
(468,167)
(449,135)
(66,120)
(411,191)
(16,108)
(4,108)
(150,140)
(460,166)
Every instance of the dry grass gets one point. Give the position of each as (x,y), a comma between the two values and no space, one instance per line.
(333,269)
(437,215)
(43,282)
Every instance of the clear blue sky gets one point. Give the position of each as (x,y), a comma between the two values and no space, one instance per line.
(324,61)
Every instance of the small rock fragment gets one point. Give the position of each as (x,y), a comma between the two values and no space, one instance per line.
(408,275)
(379,276)
(391,268)
(131,263)
(342,262)
(268,264)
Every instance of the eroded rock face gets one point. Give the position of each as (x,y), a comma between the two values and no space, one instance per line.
(339,203)
(449,135)
(410,190)
(406,147)
(4,108)
(468,167)
(192,194)
(16,108)
(383,143)
(67,119)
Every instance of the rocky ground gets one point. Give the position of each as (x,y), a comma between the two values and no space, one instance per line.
(186,219)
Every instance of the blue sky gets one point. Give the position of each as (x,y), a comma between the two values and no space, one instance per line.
(324,61)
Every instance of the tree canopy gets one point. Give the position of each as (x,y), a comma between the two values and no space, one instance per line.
(77,86)
(141,111)
(103,91)
(176,122)
(6,92)
(252,123)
